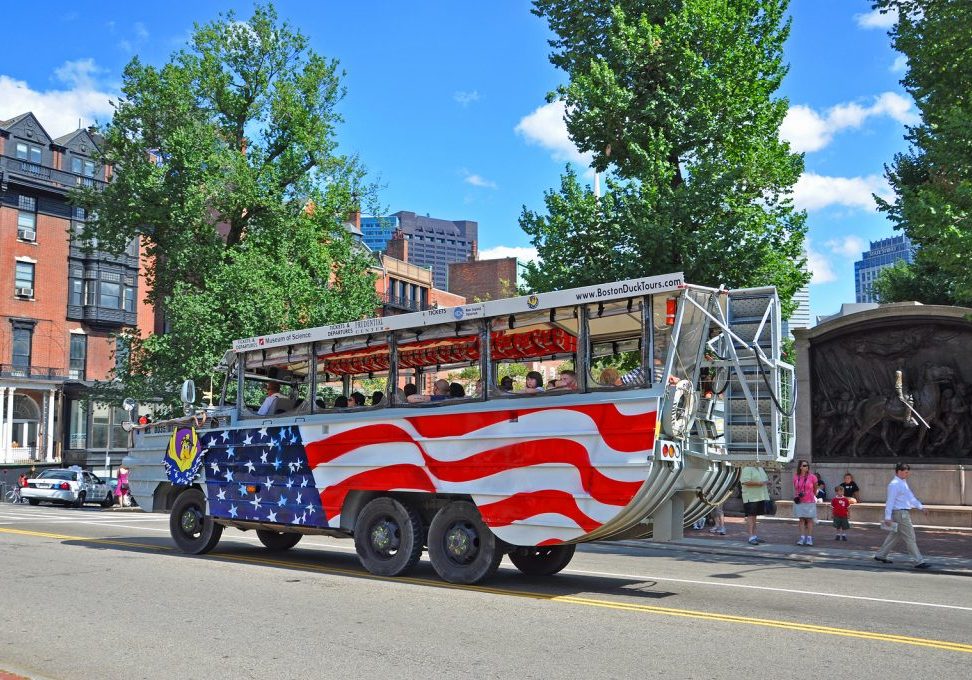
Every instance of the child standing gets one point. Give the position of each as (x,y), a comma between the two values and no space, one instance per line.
(720,522)
(840,510)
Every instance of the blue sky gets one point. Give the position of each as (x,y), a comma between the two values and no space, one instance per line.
(445,103)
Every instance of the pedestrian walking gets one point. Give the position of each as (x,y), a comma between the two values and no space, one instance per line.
(897,518)
(719,518)
(21,484)
(755,493)
(122,486)
(805,501)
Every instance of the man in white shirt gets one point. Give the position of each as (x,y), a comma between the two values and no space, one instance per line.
(269,405)
(897,517)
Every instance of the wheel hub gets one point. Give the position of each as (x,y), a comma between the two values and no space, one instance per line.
(461,543)
(190,522)
(384,536)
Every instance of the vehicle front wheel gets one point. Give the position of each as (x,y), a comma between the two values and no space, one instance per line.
(544,560)
(192,529)
(388,537)
(109,501)
(461,546)
(79,502)
(278,541)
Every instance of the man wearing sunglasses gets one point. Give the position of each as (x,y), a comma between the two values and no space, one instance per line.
(897,517)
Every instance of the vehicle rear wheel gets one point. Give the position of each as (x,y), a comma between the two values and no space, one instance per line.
(79,502)
(33,501)
(278,541)
(461,546)
(192,529)
(109,500)
(544,560)
(388,537)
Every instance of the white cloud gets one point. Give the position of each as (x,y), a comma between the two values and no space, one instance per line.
(466,98)
(140,31)
(479,181)
(819,267)
(523,254)
(815,192)
(59,110)
(877,19)
(900,64)
(545,127)
(848,246)
(807,130)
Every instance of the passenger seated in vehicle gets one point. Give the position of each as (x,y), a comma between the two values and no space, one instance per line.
(269,405)
(440,391)
(376,397)
(409,390)
(567,380)
(341,402)
(456,391)
(357,399)
(534,383)
(609,377)
(506,383)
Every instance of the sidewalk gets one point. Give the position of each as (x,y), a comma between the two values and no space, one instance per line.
(949,550)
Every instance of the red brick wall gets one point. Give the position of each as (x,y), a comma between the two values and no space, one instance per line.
(444,298)
(484,279)
(51,343)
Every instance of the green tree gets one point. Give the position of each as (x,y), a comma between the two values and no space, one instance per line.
(675,102)
(933,180)
(226,168)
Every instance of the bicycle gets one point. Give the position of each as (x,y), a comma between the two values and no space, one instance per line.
(12,495)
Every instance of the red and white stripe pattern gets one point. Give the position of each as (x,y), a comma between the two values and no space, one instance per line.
(538,475)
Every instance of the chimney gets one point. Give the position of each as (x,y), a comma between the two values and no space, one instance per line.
(398,246)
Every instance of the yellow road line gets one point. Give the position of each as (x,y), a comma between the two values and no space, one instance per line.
(564,599)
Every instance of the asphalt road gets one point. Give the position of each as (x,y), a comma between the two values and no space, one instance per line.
(101,594)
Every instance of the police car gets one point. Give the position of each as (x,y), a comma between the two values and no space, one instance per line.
(71,486)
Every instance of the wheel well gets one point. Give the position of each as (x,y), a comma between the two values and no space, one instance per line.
(166,494)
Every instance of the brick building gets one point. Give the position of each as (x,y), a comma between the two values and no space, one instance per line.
(484,279)
(61,305)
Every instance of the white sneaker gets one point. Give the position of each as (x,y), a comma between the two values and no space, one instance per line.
(802,541)
(809,540)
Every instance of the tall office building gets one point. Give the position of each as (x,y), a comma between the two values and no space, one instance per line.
(432,242)
(376,232)
(883,254)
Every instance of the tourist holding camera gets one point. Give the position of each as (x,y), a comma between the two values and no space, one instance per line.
(805,501)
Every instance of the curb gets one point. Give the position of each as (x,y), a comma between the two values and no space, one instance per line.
(945,565)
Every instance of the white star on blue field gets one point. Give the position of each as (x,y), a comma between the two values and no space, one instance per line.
(243,485)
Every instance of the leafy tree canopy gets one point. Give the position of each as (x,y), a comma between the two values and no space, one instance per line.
(225,166)
(933,180)
(675,102)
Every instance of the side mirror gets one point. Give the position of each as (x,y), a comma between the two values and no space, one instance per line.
(188,392)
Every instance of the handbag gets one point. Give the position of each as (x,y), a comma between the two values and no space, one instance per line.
(796,500)
(769,507)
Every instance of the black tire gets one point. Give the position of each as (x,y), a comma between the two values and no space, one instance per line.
(33,501)
(543,560)
(388,537)
(79,502)
(278,541)
(192,529)
(109,501)
(461,546)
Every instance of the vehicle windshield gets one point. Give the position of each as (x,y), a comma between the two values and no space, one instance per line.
(58,474)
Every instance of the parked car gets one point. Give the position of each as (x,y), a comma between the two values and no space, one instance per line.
(72,486)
